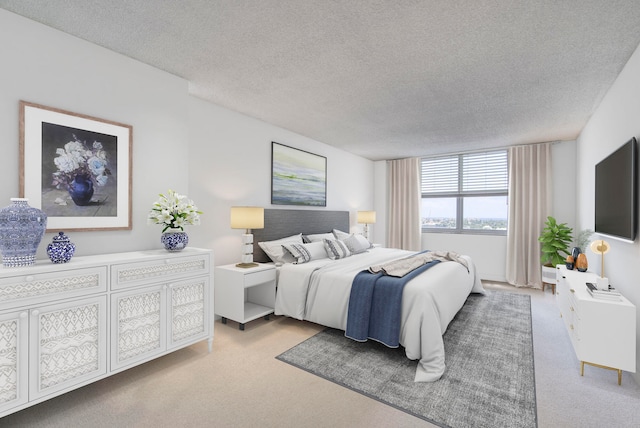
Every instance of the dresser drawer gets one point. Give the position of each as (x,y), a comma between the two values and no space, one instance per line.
(157,270)
(34,288)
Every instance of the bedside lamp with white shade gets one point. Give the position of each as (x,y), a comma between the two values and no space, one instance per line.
(366,218)
(247,218)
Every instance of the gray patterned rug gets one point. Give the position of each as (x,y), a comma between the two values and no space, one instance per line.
(489,381)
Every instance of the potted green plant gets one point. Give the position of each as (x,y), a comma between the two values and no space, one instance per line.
(556,240)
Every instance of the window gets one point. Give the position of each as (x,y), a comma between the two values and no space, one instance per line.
(465,193)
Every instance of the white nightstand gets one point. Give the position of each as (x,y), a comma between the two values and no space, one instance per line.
(244,294)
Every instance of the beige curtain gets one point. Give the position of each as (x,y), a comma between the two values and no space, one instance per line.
(529,205)
(404,204)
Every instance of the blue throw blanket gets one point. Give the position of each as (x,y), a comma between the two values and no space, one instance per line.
(375,306)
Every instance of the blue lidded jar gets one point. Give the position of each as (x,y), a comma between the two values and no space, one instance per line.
(61,249)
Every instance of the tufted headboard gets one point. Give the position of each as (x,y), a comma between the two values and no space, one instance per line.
(282,223)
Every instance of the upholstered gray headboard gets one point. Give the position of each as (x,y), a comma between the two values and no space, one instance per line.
(281,223)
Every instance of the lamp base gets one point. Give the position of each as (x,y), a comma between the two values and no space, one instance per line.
(602,283)
(246,265)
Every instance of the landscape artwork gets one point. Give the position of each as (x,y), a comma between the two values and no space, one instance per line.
(298,177)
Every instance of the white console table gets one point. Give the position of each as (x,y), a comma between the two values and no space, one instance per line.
(63,326)
(602,332)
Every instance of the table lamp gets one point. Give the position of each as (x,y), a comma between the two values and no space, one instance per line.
(366,218)
(247,218)
(601,247)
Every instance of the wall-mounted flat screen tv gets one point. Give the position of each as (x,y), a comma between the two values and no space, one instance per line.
(616,196)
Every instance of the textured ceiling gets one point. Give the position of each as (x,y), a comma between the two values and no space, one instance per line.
(381,79)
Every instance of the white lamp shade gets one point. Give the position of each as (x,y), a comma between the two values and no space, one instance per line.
(366,217)
(247,218)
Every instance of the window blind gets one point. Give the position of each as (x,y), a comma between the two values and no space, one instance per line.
(466,173)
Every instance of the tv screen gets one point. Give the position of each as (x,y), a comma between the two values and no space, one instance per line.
(616,193)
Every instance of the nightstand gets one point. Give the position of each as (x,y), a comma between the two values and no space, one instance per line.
(244,294)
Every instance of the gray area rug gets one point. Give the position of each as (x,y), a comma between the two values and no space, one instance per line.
(489,380)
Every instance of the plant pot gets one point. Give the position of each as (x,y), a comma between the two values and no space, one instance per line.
(549,274)
(174,241)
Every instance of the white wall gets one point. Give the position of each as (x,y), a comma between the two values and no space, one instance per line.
(614,122)
(48,67)
(230,164)
(217,157)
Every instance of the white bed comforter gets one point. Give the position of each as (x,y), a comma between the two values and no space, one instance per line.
(319,291)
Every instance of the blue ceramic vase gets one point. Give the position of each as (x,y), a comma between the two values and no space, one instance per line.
(21,230)
(61,249)
(174,241)
(81,189)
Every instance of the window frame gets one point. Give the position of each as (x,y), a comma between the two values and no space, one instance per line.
(460,196)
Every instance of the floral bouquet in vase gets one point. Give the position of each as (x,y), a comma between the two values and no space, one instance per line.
(80,168)
(174,211)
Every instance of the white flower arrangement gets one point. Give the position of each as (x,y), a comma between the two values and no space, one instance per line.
(174,211)
(78,159)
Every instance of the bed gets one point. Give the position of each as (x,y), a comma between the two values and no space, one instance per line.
(319,289)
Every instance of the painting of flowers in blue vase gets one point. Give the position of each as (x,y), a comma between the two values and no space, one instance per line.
(80,172)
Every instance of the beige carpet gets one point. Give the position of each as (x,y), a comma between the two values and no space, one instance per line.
(241,384)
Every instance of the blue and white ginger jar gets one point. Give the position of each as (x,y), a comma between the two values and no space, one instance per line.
(21,230)
(174,241)
(61,249)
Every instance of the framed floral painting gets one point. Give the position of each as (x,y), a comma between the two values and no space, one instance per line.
(75,168)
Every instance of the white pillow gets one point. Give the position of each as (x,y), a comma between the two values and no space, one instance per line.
(336,249)
(319,237)
(340,234)
(275,251)
(304,253)
(357,243)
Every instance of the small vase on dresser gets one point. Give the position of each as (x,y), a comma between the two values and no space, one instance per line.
(21,229)
(174,211)
(175,240)
(61,249)
(582,264)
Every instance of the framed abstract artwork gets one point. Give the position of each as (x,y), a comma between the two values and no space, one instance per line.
(297,177)
(76,168)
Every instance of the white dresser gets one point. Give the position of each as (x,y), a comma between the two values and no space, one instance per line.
(63,326)
(603,332)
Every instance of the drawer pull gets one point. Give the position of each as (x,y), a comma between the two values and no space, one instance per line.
(29,278)
(23,315)
(35,313)
(572,290)
(571,307)
(571,326)
(167,261)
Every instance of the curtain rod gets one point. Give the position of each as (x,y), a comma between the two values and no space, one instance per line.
(492,149)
